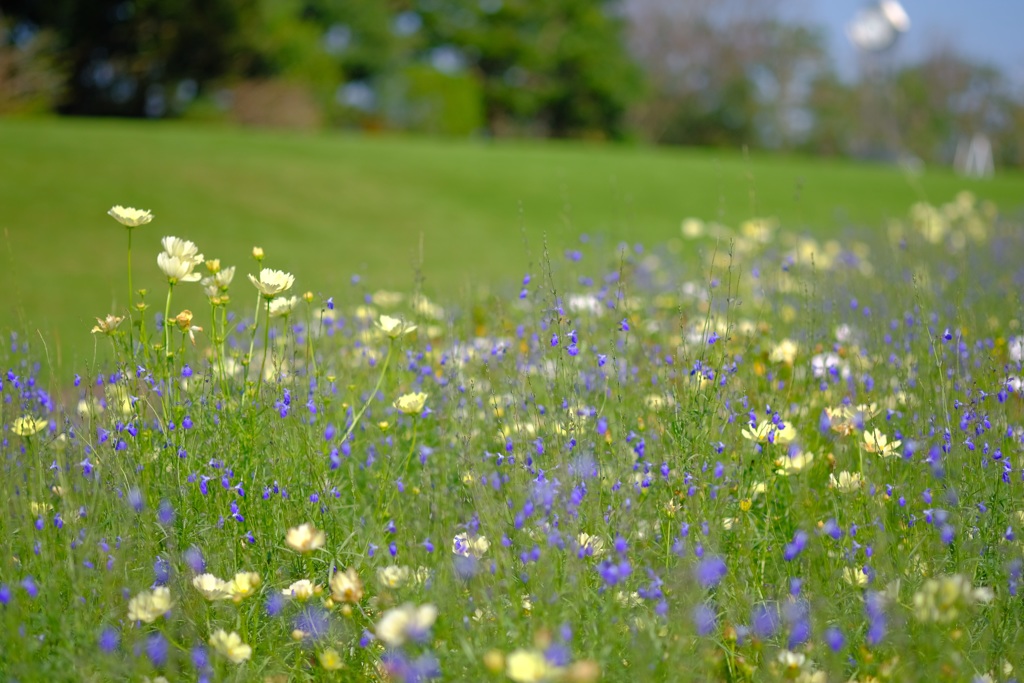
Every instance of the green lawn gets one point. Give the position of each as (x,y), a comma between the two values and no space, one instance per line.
(329,206)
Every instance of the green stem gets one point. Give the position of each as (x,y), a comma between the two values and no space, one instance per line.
(380,380)
(252,337)
(266,351)
(168,354)
(131,296)
(387,485)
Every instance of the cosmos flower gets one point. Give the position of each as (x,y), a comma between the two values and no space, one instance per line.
(465,545)
(591,546)
(784,352)
(272,282)
(305,538)
(148,606)
(243,585)
(528,666)
(230,645)
(303,589)
(282,306)
(179,259)
(845,482)
(793,464)
(877,442)
(211,587)
(404,623)
(28,425)
(346,586)
(411,404)
(330,660)
(766,431)
(394,327)
(393,576)
(184,322)
(942,599)
(107,325)
(130,217)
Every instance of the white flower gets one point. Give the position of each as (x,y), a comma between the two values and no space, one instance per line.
(394,327)
(393,576)
(149,606)
(792,464)
(528,666)
(230,645)
(282,306)
(305,538)
(28,425)
(845,482)
(784,352)
(767,431)
(404,623)
(411,404)
(303,589)
(272,282)
(346,586)
(243,585)
(592,546)
(129,217)
(179,259)
(465,545)
(211,587)
(1016,348)
(877,442)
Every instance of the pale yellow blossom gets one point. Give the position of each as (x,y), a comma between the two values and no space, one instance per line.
(781,434)
(130,217)
(346,586)
(107,325)
(148,606)
(243,585)
(28,425)
(305,538)
(230,645)
(272,282)
(411,404)
(303,589)
(211,587)
(394,327)
(406,622)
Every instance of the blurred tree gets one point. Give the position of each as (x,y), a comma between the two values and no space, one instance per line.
(555,67)
(723,72)
(142,57)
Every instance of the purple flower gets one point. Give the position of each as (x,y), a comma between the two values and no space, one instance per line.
(165,513)
(765,620)
(135,499)
(796,547)
(705,619)
(710,571)
(834,638)
(29,584)
(194,560)
(109,639)
(156,649)
(5,594)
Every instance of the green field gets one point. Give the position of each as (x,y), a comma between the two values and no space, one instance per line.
(328,206)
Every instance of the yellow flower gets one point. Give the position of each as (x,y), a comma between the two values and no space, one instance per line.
(400,624)
(792,464)
(528,666)
(393,575)
(394,327)
(411,404)
(230,645)
(281,307)
(465,545)
(784,352)
(28,425)
(107,325)
(211,587)
(346,586)
(305,538)
(330,659)
(257,253)
(149,606)
(845,482)
(179,259)
(855,576)
(272,282)
(184,322)
(766,431)
(129,217)
(877,442)
(303,589)
(243,585)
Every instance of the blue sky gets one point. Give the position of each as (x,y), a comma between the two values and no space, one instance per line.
(987,30)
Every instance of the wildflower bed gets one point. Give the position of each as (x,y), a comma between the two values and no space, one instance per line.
(801,461)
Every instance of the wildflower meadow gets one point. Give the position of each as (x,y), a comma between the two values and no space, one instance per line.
(746,455)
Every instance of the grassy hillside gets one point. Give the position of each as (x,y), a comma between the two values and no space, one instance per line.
(330,206)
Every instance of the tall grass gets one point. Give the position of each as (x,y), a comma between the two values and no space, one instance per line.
(799,461)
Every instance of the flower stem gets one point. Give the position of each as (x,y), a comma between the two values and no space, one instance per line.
(266,351)
(380,380)
(387,484)
(252,337)
(131,295)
